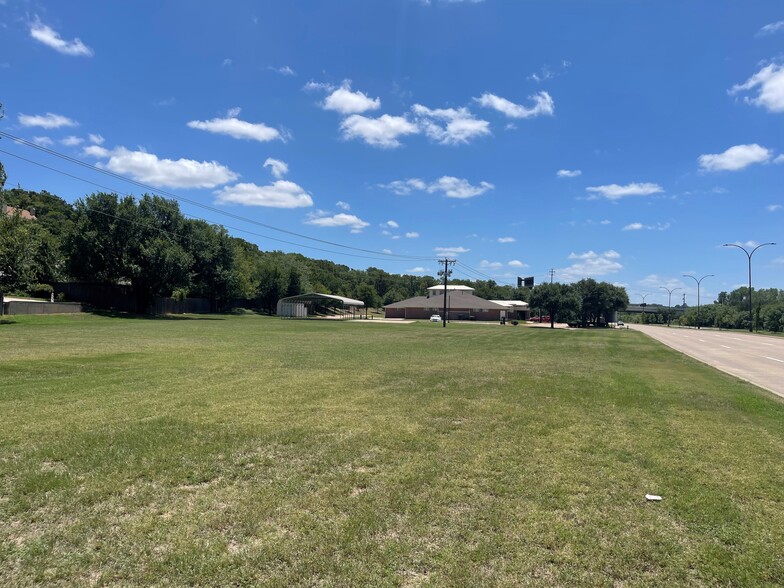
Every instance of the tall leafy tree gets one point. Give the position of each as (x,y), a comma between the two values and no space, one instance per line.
(559,300)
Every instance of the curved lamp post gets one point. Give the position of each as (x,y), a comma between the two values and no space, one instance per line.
(699,323)
(643,305)
(669,300)
(751,316)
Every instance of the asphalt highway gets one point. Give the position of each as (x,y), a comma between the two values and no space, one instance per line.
(758,359)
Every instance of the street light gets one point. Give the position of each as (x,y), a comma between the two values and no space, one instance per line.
(669,300)
(643,306)
(751,320)
(699,323)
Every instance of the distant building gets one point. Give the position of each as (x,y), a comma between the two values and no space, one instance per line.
(6,210)
(462,304)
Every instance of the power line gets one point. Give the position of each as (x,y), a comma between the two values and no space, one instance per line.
(402,258)
(194,202)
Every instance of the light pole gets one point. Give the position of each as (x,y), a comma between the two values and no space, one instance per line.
(699,323)
(643,306)
(669,300)
(751,319)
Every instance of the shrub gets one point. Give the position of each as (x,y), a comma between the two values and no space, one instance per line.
(41,290)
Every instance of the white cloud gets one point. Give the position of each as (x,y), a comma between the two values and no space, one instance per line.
(451,250)
(458,187)
(450,186)
(378,132)
(516,263)
(412,235)
(96,139)
(615,192)
(506,239)
(387,251)
(779,159)
(233,112)
(461,126)
(634,227)
(43,141)
(344,101)
(391,224)
(771,28)
(339,220)
(484,264)
(96,151)
(46,121)
(238,129)
(227,62)
(72,141)
(284,71)
(591,264)
(312,86)
(417,270)
(773,207)
(279,194)
(543,105)
(278,168)
(735,158)
(568,173)
(605,222)
(343,205)
(640,226)
(778,260)
(770,80)
(404,187)
(146,167)
(51,38)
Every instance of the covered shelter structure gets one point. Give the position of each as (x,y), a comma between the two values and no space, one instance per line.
(316,305)
(462,304)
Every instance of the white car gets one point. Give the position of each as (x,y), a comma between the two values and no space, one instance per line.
(436,318)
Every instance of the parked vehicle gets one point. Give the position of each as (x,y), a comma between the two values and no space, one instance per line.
(436,318)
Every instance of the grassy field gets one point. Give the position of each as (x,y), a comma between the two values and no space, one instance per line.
(243,451)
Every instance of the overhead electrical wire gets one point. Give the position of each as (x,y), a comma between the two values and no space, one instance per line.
(179,198)
(191,216)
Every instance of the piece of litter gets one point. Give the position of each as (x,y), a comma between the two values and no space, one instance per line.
(653,497)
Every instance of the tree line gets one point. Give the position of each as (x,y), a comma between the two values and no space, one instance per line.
(149,244)
(583,303)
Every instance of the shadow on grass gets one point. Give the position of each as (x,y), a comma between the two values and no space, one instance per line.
(151,317)
(7,322)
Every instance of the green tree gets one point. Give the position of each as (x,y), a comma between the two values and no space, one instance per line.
(559,300)
(773,317)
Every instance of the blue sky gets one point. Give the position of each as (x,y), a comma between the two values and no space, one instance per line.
(621,140)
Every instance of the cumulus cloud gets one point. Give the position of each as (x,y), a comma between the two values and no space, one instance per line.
(72,141)
(279,194)
(46,121)
(779,159)
(278,168)
(412,235)
(96,139)
(516,263)
(341,219)
(417,270)
(640,227)
(735,158)
(770,81)
(568,173)
(771,28)
(148,168)
(284,71)
(383,131)
(343,205)
(616,192)
(450,250)
(391,224)
(344,101)
(450,126)
(484,264)
(450,186)
(51,38)
(591,264)
(773,207)
(236,128)
(506,239)
(313,86)
(227,62)
(543,105)
(43,141)
(453,187)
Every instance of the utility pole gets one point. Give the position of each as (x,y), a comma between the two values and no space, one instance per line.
(447,262)
(552,274)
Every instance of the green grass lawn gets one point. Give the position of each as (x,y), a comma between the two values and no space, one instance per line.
(245,450)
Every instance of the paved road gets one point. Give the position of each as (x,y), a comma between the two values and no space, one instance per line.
(758,359)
